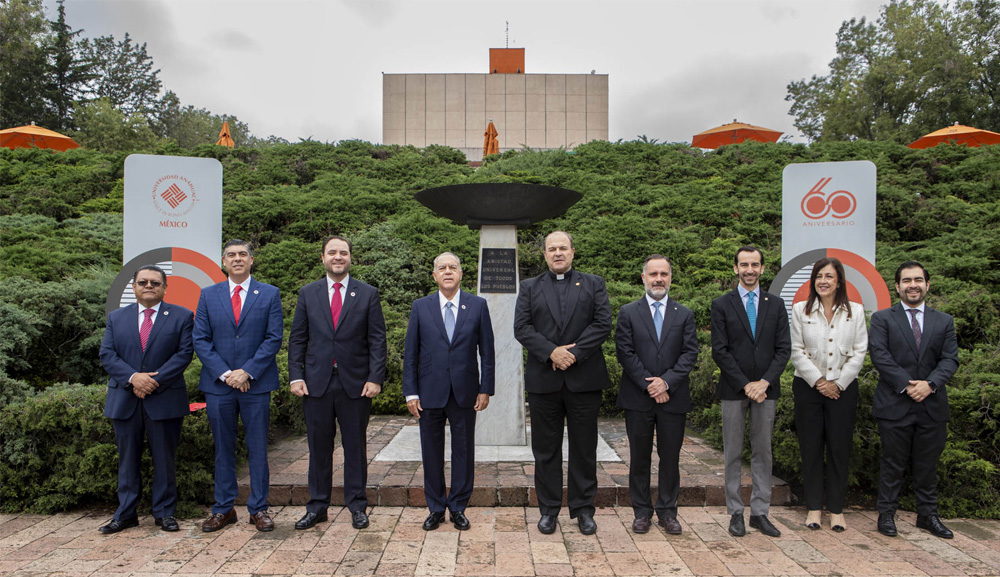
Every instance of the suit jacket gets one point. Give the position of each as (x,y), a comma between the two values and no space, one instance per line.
(835,354)
(357,345)
(168,351)
(642,355)
(540,327)
(434,368)
(741,357)
(894,354)
(223,346)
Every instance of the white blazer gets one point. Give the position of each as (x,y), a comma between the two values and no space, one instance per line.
(835,350)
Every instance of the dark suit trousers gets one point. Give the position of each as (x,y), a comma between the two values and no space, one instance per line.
(224,414)
(322,415)
(579,411)
(825,428)
(669,428)
(917,440)
(462,423)
(164,436)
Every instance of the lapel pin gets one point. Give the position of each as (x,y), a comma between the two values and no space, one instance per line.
(577,284)
(463,307)
(352,294)
(765,298)
(256,292)
(165,313)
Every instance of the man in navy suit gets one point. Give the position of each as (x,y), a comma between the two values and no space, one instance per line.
(237,333)
(751,344)
(443,379)
(916,353)
(562,317)
(336,362)
(657,347)
(145,349)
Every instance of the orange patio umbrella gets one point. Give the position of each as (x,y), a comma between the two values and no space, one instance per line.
(491,145)
(733,133)
(957,134)
(35,136)
(225,139)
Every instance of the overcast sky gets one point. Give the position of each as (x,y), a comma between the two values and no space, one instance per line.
(300,69)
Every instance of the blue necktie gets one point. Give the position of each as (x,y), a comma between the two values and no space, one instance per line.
(449,321)
(658,320)
(752,314)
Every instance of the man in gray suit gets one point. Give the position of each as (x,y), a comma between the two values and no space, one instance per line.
(751,344)
(916,353)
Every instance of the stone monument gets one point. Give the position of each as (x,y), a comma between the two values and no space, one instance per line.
(497,209)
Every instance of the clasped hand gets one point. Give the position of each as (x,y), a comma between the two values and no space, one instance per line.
(658,389)
(828,389)
(756,390)
(918,390)
(561,358)
(239,380)
(144,384)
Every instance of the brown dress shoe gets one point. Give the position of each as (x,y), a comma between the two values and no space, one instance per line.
(672,526)
(262,520)
(640,525)
(218,521)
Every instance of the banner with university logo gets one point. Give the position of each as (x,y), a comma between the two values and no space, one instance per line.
(173,219)
(828,210)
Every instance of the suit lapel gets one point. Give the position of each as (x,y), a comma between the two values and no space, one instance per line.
(133,326)
(250,298)
(349,297)
(736,301)
(763,305)
(226,301)
(549,290)
(322,295)
(646,317)
(930,325)
(463,314)
(668,320)
(903,319)
(433,302)
(161,319)
(572,294)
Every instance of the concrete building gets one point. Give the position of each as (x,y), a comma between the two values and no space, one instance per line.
(541,111)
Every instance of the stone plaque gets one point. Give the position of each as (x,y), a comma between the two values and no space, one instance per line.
(498,270)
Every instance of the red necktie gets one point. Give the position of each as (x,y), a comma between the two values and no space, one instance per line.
(146,328)
(335,304)
(237,304)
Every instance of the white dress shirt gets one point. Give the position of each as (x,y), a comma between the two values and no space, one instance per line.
(652,310)
(920,315)
(832,350)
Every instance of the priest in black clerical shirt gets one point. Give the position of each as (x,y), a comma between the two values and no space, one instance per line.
(562,318)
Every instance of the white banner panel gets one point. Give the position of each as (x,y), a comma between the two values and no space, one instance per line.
(173,201)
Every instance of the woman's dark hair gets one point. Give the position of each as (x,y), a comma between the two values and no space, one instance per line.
(839,296)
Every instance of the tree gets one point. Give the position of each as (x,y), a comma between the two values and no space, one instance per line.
(921,67)
(190,126)
(68,73)
(124,75)
(23,31)
(106,128)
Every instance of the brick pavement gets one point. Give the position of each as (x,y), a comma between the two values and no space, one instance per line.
(497,483)
(502,541)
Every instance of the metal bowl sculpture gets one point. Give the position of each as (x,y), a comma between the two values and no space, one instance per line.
(498,203)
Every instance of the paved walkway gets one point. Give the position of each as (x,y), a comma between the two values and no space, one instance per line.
(502,541)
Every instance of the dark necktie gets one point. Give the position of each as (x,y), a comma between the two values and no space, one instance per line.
(915,326)
(336,304)
(147,326)
(237,304)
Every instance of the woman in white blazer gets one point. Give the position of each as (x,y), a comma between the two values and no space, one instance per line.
(829,341)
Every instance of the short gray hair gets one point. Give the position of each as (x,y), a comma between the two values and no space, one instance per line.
(446,253)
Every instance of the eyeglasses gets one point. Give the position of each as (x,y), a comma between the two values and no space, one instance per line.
(152,283)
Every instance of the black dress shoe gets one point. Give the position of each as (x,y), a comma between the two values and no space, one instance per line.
(640,525)
(310,519)
(115,525)
(887,525)
(460,521)
(433,520)
(671,525)
(814,526)
(762,523)
(586,524)
(167,523)
(547,524)
(359,519)
(933,524)
(736,526)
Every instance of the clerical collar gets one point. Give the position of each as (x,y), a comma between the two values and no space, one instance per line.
(560,276)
